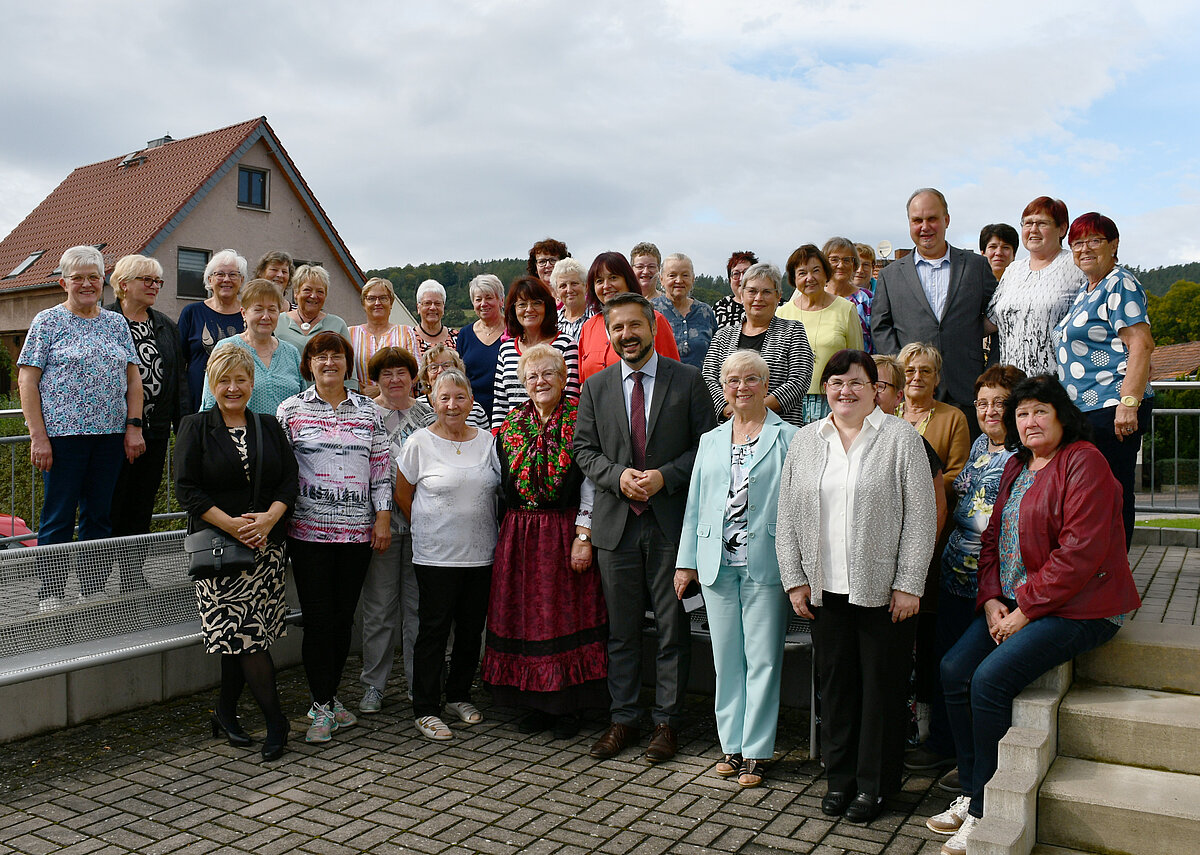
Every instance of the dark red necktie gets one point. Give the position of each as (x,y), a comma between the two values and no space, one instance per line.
(637,431)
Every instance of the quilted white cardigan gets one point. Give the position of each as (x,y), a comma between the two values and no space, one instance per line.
(895,515)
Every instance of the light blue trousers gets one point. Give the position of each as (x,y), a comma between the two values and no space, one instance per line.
(747,622)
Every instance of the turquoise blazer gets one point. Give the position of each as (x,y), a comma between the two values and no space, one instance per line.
(704,517)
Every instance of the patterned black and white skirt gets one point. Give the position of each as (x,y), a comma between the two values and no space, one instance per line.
(244,613)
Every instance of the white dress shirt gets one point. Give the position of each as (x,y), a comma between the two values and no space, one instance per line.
(934,274)
(838,484)
(648,370)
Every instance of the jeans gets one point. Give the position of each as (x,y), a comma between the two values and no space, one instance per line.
(449,597)
(83,475)
(981,679)
(329,577)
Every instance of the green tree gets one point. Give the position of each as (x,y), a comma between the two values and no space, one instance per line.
(1175,316)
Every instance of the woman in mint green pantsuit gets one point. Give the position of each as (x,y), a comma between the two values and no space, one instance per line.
(728,543)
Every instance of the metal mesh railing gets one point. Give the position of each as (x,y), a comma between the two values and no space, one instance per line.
(99,589)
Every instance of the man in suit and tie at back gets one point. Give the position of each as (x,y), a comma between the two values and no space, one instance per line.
(938,294)
(638,428)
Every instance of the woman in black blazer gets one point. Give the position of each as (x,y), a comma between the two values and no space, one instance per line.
(216,452)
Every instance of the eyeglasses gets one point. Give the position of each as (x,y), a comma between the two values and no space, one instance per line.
(219,274)
(80,278)
(435,367)
(329,357)
(883,384)
(526,305)
(542,376)
(149,281)
(923,371)
(546,262)
(1090,243)
(984,406)
(749,382)
(646,268)
(750,294)
(1037,224)
(378,298)
(839,260)
(837,385)
(431,304)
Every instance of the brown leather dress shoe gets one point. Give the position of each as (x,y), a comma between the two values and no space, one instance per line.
(663,744)
(616,739)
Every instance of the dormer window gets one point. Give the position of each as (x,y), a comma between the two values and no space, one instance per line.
(252,188)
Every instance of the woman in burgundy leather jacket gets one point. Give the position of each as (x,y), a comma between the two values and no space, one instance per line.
(1054,582)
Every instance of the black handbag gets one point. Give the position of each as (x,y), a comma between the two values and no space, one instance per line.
(213,554)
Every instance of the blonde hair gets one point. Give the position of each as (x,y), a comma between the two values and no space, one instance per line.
(539,353)
(431,354)
(891,364)
(131,267)
(919,348)
(305,272)
(262,290)
(371,283)
(742,359)
(225,360)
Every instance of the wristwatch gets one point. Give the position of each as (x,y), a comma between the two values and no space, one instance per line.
(1129,401)
(584,538)
(137,423)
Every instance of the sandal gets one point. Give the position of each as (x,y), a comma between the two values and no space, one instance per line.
(728,765)
(434,728)
(466,712)
(751,774)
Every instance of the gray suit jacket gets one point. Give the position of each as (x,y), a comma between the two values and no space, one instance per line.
(901,314)
(680,413)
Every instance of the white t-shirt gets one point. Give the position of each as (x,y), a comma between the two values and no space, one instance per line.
(455,500)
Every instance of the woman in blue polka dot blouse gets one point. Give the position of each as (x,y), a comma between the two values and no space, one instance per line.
(1104,347)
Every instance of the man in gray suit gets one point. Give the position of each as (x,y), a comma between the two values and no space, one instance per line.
(938,294)
(636,435)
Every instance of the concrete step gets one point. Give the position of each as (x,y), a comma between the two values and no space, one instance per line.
(1101,807)
(1146,655)
(1043,849)
(1134,727)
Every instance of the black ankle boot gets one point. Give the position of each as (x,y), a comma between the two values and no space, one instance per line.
(277,737)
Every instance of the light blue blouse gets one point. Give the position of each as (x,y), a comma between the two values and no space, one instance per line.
(273,384)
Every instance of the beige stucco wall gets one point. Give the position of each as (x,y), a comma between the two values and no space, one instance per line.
(218,222)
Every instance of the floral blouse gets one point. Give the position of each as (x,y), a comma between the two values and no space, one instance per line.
(1012,566)
(977,486)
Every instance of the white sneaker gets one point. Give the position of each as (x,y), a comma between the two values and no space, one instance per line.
(951,819)
(50,604)
(466,712)
(957,845)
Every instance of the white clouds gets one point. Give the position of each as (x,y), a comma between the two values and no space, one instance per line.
(470,130)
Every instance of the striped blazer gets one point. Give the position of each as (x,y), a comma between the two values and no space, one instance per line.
(510,391)
(786,350)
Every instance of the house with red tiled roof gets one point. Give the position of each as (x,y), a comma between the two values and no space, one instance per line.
(1172,361)
(179,201)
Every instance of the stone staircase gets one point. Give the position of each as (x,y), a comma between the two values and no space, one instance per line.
(1127,775)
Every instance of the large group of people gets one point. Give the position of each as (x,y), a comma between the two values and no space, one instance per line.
(930,459)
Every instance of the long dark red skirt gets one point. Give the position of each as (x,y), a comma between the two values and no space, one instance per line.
(547,625)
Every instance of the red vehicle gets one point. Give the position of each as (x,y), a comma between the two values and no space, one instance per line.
(11,526)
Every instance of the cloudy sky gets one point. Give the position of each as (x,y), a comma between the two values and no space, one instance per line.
(464,130)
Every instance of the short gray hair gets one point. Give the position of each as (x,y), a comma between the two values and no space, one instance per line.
(679,256)
(78,257)
(488,282)
(568,265)
(225,256)
(430,285)
(764,270)
(742,359)
(931,190)
(844,244)
(453,375)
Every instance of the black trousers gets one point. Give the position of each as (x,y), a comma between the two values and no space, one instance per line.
(863,660)
(448,597)
(1121,454)
(132,508)
(329,578)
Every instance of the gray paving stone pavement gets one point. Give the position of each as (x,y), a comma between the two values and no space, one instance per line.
(154,781)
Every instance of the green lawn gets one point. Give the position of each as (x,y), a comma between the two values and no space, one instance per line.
(1171,522)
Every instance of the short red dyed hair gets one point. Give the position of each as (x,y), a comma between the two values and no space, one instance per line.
(1056,208)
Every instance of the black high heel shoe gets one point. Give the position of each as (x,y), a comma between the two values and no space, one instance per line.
(234,732)
(276,742)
